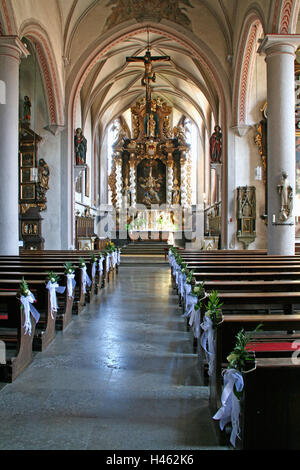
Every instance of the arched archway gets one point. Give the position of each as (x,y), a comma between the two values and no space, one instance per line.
(208,64)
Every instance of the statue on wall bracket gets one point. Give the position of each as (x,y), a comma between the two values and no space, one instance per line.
(285,191)
(80,147)
(215,145)
(246,214)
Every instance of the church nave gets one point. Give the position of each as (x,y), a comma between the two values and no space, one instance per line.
(121,376)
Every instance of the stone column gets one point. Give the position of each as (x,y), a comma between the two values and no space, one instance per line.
(280,56)
(11,52)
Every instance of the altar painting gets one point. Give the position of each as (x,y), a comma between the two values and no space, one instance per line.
(151,182)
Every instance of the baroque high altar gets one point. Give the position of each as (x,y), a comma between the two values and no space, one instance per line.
(151,172)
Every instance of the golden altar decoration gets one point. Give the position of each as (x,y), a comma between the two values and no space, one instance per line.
(152,168)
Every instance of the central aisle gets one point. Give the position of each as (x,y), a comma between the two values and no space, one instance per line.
(122,376)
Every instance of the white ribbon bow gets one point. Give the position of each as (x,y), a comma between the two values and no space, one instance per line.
(85,279)
(207,342)
(29,309)
(230,410)
(101,264)
(107,262)
(71,283)
(119,257)
(94,269)
(53,287)
(182,284)
(188,289)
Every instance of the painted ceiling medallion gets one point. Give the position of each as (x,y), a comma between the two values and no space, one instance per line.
(155,9)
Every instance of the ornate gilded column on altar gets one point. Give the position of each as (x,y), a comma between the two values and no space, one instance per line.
(119,181)
(170,163)
(184,180)
(189,179)
(132,178)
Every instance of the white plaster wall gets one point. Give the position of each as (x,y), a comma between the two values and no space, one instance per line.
(49,149)
(247,155)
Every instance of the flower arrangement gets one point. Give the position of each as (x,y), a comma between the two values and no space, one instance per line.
(199,292)
(110,247)
(52,277)
(81,262)
(100,254)
(240,357)
(214,311)
(24,289)
(190,277)
(69,268)
(184,268)
(93,258)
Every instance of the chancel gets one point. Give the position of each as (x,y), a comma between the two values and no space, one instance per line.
(150,227)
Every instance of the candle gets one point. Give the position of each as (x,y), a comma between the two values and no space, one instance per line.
(274,218)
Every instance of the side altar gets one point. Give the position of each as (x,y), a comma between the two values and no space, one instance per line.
(151,170)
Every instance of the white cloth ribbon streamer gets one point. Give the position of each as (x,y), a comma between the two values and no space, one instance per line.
(107,262)
(53,287)
(230,409)
(193,314)
(101,264)
(182,285)
(119,257)
(207,341)
(190,303)
(188,289)
(94,269)
(29,309)
(85,279)
(71,283)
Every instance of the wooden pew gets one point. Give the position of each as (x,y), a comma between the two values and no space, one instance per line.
(225,335)
(45,329)
(270,407)
(18,345)
(64,314)
(277,344)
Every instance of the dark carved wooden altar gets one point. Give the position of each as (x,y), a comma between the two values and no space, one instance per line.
(33,186)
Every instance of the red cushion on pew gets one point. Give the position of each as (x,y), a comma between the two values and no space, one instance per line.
(276,346)
(3,316)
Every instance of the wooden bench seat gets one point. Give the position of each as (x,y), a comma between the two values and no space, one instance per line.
(270,406)
(19,346)
(273,336)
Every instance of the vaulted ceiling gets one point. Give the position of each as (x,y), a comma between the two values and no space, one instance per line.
(113,85)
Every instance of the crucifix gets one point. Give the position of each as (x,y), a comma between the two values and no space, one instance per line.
(149,75)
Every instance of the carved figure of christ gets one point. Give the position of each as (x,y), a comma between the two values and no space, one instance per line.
(149,75)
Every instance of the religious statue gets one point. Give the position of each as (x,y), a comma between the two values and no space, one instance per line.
(43,184)
(176,193)
(149,76)
(126,192)
(286,197)
(215,145)
(80,146)
(179,134)
(26,110)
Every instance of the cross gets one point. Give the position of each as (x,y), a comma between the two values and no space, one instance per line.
(149,75)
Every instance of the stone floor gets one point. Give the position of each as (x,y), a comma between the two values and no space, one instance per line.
(122,376)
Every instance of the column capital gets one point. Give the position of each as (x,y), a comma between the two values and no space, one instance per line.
(283,43)
(12,46)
